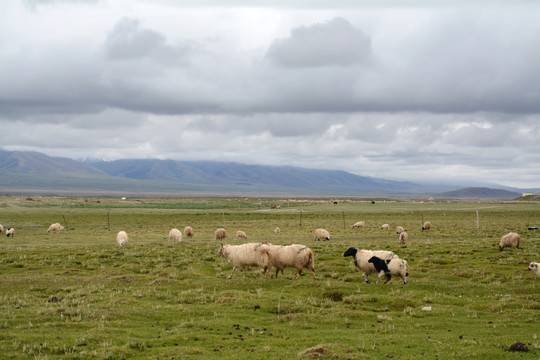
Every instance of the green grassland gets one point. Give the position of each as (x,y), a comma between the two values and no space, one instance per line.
(77,295)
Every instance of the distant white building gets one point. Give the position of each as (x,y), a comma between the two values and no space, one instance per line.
(527,194)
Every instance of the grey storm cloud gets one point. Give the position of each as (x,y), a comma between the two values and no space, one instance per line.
(335,43)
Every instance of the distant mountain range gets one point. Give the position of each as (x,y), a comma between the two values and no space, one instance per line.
(22,171)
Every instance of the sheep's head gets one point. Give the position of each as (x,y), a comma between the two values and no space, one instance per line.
(350,252)
(220,252)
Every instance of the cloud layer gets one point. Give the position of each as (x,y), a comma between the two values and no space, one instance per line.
(435,93)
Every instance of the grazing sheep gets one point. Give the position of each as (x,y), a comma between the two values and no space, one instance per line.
(277,230)
(361,259)
(322,234)
(389,268)
(296,256)
(220,234)
(399,230)
(10,232)
(188,231)
(1,228)
(175,235)
(359,224)
(246,255)
(241,234)
(403,237)
(426,226)
(55,227)
(385,227)
(509,240)
(534,266)
(121,238)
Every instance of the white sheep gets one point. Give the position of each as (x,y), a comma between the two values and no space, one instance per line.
(403,237)
(121,238)
(361,259)
(359,224)
(175,235)
(246,255)
(534,266)
(509,240)
(55,227)
(277,230)
(10,232)
(296,256)
(385,227)
(399,229)
(188,231)
(426,226)
(220,234)
(1,228)
(241,234)
(389,268)
(322,234)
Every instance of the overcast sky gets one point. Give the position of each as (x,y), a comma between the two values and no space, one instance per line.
(391,89)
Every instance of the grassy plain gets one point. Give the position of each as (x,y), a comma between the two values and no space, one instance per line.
(76,295)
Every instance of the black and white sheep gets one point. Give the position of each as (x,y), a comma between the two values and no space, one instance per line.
(10,232)
(393,267)
(361,259)
(535,267)
(322,234)
(426,226)
(121,238)
(291,256)
(509,240)
(245,256)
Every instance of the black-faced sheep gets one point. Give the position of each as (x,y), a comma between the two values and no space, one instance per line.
(399,230)
(403,236)
(55,227)
(296,256)
(361,259)
(10,232)
(246,255)
(175,235)
(188,231)
(426,226)
(389,268)
(121,238)
(322,234)
(509,240)
(241,234)
(534,266)
(359,224)
(385,227)
(220,234)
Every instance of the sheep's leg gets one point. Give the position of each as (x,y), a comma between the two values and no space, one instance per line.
(365,275)
(234,268)
(313,272)
(244,270)
(381,274)
(388,277)
(298,274)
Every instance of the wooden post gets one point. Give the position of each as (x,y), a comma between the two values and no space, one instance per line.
(65,223)
(108,221)
(477,221)
(224,219)
(422,219)
(300,218)
(344,219)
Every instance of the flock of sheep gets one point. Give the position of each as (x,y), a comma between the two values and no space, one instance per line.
(267,256)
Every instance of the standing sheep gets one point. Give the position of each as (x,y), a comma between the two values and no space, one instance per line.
(359,224)
(1,228)
(296,256)
(385,227)
(426,226)
(509,240)
(175,235)
(399,230)
(188,231)
(322,234)
(241,234)
(55,227)
(10,232)
(121,238)
(246,255)
(403,237)
(389,268)
(534,266)
(277,230)
(220,234)
(361,259)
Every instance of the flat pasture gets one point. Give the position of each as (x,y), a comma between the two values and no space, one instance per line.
(77,295)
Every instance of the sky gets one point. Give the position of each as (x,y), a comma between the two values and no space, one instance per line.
(403,90)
